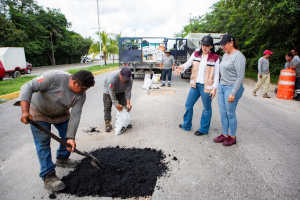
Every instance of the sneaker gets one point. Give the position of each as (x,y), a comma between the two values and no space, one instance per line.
(219,139)
(129,126)
(53,183)
(108,126)
(229,141)
(65,163)
(162,85)
(254,93)
(266,96)
(198,133)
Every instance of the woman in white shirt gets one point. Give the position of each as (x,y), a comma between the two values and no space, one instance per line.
(204,82)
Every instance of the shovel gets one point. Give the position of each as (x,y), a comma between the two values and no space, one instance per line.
(93,160)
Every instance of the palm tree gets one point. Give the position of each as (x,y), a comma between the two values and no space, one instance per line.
(107,46)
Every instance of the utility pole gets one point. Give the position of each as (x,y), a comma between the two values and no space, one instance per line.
(134,32)
(99,34)
(52,54)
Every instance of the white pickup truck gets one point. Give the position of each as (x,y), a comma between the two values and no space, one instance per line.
(13,62)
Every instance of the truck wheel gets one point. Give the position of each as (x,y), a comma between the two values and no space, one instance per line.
(28,71)
(182,76)
(16,74)
(132,76)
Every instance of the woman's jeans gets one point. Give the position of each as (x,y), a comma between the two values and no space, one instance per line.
(193,96)
(42,144)
(227,110)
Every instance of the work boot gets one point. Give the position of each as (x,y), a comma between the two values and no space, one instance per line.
(162,85)
(108,126)
(129,126)
(65,163)
(254,93)
(53,183)
(266,96)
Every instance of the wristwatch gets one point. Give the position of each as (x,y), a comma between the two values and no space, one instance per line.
(127,106)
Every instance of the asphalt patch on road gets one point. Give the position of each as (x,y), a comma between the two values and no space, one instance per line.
(125,173)
(92,130)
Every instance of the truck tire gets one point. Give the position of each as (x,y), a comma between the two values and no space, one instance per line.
(28,71)
(182,76)
(132,76)
(16,74)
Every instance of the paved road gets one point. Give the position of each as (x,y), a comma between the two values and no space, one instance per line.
(263,165)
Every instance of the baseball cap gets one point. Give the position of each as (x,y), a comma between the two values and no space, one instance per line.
(207,40)
(268,52)
(226,38)
(167,51)
(126,73)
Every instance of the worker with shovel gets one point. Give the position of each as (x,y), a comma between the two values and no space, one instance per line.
(47,100)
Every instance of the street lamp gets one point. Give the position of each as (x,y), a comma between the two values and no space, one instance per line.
(99,34)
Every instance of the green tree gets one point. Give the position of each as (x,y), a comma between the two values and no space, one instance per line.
(108,46)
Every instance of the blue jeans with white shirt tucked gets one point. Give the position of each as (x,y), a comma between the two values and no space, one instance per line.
(166,72)
(192,98)
(227,110)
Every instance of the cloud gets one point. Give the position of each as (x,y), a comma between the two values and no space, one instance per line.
(143,18)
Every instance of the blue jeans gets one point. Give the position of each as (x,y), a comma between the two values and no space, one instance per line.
(42,144)
(193,96)
(227,110)
(166,72)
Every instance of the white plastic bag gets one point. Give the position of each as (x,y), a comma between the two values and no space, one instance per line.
(155,78)
(147,83)
(123,119)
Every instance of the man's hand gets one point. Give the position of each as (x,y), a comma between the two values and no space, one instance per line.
(72,143)
(128,106)
(24,117)
(231,98)
(119,107)
(178,70)
(260,76)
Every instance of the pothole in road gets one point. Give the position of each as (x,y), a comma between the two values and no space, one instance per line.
(161,92)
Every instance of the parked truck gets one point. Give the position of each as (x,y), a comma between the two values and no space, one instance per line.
(143,55)
(13,62)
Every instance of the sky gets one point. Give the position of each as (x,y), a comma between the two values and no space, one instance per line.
(132,18)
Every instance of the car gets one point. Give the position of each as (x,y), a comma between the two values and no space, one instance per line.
(28,67)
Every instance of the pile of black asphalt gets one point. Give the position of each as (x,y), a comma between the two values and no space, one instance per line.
(125,173)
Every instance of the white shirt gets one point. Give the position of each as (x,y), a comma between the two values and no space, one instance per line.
(202,69)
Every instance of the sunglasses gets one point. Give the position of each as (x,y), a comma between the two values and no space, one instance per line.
(82,89)
(223,45)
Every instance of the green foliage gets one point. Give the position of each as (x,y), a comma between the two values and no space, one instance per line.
(257,25)
(25,24)
(109,45)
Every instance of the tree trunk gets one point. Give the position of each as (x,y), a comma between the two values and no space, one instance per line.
(113,58)
(104,55)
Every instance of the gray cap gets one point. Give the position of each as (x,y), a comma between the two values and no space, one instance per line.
(167,51)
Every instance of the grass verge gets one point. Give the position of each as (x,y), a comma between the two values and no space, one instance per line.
(14,85)
(95,68)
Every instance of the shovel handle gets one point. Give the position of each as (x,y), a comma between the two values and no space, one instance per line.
(58,139)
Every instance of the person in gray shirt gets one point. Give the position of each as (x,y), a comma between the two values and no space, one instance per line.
(47,100)
(232,72)
(167,66)
(117,92)
(263,74)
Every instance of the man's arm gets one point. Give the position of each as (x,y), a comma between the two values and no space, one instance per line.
(259,67)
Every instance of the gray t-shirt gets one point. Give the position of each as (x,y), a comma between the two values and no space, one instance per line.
(232,70)
(168,61)
(51,96)
(263,66)
(113,85)
(296,63)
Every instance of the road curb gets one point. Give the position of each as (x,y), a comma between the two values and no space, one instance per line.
(16,94)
